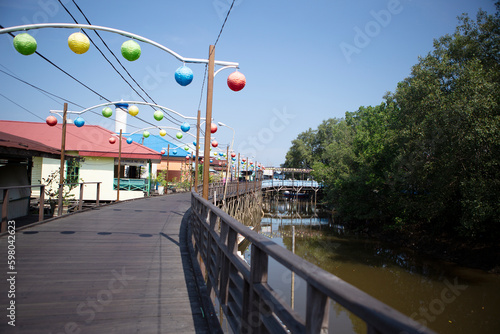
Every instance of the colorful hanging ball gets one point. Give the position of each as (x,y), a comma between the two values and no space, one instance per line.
(25,44)
(236,81)
(243,159)
(158,115)
(233,155)
(107,112)
(131,50)
(178,135)
(163,133)
(79,122)
(183,75)
(234,159)
(162,152)
(215,143)
(221,154)
(194,143)
(78,43)
(133,110)
(211,160)
(112,140)
(51,120)
(187,157)
(174,152)
(215,154)
(213,128)
(185,127)
(145,134)
(130,140)
(186,148)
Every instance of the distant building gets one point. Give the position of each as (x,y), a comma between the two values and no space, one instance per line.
(97,158)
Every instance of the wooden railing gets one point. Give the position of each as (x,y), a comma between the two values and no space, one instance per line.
(80,199)
(5,204)
(233,189)
(252,306)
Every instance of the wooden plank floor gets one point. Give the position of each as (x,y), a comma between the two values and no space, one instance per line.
(122,268)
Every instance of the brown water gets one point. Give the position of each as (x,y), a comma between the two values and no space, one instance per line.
(445,297)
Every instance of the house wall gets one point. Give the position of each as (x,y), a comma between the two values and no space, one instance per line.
(175,167)
(92,169)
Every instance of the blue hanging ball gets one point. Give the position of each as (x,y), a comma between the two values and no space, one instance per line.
(183,75)
(234,159)
(129,140)
(79,122)
(194,143)
(185,127)
(174,152)
(221,154)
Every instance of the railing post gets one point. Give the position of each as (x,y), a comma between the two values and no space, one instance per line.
(80,204)
(317,306)
(5,208)
(42,202)
(60,200)
(98,195)
(253,307)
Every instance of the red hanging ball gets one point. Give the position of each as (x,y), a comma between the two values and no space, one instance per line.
(51,120)
(215,143)
(213,128)
(236,81)
(112,140)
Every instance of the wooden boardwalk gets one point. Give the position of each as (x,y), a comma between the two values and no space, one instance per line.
(122,268)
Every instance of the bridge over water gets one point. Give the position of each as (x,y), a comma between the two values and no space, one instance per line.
(130,267)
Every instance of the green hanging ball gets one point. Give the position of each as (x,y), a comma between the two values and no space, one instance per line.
(25,44)
(158,115)
(107,112)
(145,134)
(131,50)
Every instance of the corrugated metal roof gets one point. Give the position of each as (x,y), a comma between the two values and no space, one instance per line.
(89,140)
(158,143)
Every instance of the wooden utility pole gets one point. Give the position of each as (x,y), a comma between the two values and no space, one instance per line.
(119,167)
(61,168)
(197,152)
(208,120)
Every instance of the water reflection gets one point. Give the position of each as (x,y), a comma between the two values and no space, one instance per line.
(442,296)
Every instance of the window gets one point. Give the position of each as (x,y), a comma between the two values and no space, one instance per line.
(72,171)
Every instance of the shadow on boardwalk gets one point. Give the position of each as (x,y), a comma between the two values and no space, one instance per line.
(122,268)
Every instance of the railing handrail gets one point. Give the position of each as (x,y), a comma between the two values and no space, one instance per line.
(321,284)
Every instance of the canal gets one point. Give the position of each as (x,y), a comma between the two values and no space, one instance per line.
(442,296)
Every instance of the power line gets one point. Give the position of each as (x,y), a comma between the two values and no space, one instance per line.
(215,44)
(20,106)
(172,119)
(42,90)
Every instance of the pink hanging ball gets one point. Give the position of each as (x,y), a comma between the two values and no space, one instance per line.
(236,81)
(51,120)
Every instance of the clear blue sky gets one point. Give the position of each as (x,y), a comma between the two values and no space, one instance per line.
(304,61)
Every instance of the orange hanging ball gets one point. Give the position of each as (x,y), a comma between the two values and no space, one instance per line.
(236,81)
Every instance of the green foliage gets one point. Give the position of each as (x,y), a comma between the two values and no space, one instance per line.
(51,183)
(430,153)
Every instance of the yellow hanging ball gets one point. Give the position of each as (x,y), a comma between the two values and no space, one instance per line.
(133,110)
(78,43)
(163,133)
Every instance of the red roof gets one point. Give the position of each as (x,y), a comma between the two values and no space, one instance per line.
(16,142)
(89,140)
